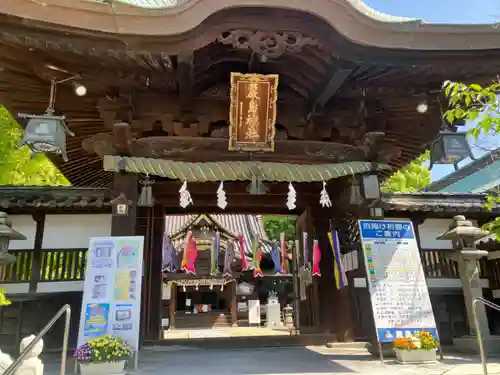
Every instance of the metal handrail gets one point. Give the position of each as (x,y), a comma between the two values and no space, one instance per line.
(65,309)
(479,336)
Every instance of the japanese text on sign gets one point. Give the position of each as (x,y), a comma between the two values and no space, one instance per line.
(386,229)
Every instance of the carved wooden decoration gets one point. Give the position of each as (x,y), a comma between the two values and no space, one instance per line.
(252,112)
(270,45)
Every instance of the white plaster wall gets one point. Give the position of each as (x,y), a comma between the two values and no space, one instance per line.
(430,229)
(74,231)
(27,226)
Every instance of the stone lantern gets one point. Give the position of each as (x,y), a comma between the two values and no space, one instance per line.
(6,235)
(464,235)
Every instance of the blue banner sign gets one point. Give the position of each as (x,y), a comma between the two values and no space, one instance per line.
(386,229)
(396,281)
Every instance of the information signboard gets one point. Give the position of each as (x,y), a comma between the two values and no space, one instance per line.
(112,289)
(396,281)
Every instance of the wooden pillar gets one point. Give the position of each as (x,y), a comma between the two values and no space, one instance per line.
(335,304)
(173,305)
(126,184)
(151,225)
(234,307)
(36,266)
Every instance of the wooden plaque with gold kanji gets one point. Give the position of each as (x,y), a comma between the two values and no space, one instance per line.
(252,112)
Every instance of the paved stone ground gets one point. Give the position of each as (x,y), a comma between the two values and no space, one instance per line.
(287,361)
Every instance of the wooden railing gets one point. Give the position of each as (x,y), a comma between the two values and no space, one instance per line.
(54,265)
(437,263)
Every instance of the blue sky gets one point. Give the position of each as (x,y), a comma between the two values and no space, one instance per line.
(442,11)
(447,11)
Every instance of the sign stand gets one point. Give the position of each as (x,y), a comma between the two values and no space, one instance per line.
(111,302)
(136,359)
(380,353)
(396,281)
(440,348)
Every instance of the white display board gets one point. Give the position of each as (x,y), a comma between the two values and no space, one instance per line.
(396,281)
(253,311)
(112,290)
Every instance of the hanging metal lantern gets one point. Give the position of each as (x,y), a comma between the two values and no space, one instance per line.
(121,205)
(146,198)
(371,186)
(45,133)
(450,148)
(6,235)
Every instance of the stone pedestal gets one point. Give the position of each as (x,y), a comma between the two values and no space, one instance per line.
(463,236)
(468,268)
(273,315)
(469,345)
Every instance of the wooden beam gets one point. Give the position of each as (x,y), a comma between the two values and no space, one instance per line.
(203,209)
(236,188)
(333,80)
(206,149)
(184,77)
(39,217)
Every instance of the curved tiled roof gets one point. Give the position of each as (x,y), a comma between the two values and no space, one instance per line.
(235,224)
(359,5)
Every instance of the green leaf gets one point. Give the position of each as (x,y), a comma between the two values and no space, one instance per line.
(16,165)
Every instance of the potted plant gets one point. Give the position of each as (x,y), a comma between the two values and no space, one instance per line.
(419,348)
(105,355)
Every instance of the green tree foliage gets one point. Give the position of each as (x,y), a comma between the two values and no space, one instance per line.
(275,225)
(480,105)
(18,168)
(410,179)
(16,165)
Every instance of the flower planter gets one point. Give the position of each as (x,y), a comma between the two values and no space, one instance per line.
(415,356)
(104,368)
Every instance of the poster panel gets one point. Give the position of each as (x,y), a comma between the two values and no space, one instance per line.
(254,311)
(112,289)
(396,281)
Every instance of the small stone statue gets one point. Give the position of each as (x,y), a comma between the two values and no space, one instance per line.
(288,310)
(5,361)
(31,365)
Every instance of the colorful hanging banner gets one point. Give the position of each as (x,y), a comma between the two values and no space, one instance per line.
(169,263)
(190,255)
(214,261)
(316,259)
(228,260)
(284,257)
(338,267)
(275,256)
(244,264)
(305,241)
(256,257)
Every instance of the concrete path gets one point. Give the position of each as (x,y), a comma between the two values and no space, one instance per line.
(287,361)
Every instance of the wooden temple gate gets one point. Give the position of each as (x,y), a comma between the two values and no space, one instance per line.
(158,88)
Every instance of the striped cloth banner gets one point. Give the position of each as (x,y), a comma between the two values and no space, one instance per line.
(338,267)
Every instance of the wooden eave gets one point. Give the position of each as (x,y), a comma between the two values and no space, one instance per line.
(114,56)
(431,202)
(351,18)
(50,199)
